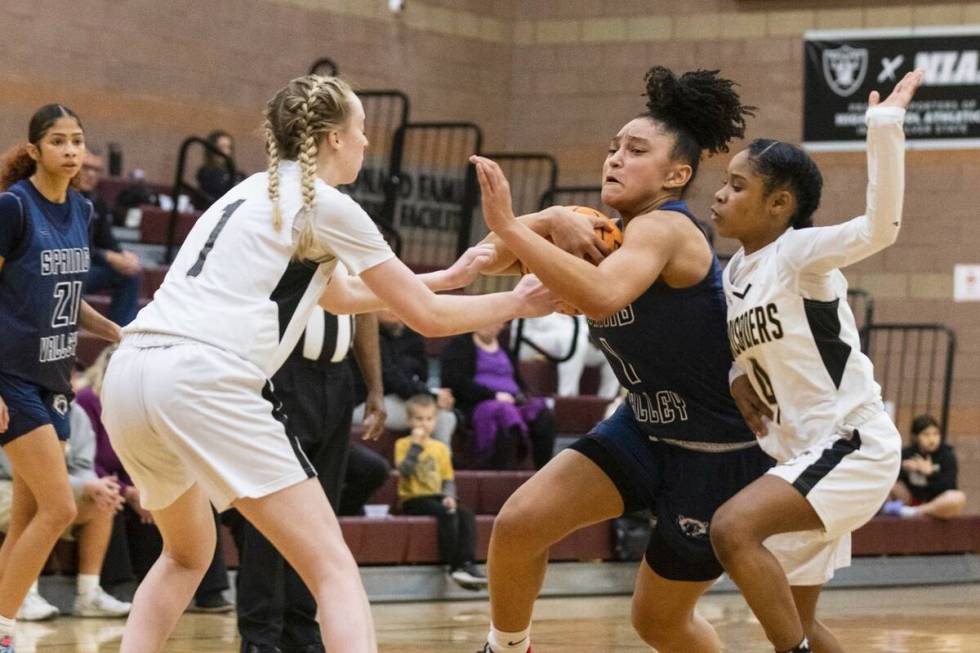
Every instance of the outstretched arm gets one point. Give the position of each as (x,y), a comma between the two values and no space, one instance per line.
(570,233)
(649,244)
(820,250)
(441,315)
(357,298)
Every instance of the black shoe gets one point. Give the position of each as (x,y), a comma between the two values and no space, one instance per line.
(309,648)
(212,602)
(251,647)
(469,577)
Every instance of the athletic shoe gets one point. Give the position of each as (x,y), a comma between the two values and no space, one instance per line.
(99,603)
(486,649)
(211,603)
(251,647)
(469,577)
(7,644)
(35,608)
(893,508)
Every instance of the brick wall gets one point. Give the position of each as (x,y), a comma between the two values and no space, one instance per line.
(143,74)
(554,75)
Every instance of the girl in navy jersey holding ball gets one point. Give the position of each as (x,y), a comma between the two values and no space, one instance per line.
(678,446)
(44,258)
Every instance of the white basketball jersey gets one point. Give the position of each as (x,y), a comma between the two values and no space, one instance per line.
(789,324)
(234,283)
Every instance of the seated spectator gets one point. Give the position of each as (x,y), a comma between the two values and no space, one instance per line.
(927,480)
(553,334)
(213,179)
(485,382)
(366,472)
(426,487)
(97,499)
(404,374)
(112,268)
(142,542)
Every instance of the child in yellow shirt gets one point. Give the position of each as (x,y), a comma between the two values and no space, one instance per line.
(426,487)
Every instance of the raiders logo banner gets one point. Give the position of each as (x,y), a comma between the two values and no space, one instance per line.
(843,67)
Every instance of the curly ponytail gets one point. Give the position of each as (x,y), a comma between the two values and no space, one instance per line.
(702,111)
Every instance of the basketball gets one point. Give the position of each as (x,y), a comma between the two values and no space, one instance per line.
(613,237)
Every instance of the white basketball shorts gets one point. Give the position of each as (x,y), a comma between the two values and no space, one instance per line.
(180,412)
(846,477)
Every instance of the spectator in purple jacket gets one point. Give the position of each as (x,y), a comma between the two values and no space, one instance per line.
(505,422)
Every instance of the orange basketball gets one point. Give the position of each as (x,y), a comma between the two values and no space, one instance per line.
(612,237)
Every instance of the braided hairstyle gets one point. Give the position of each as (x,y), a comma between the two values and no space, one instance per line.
(16,163)
(701,110)
(297,118)
(786,166)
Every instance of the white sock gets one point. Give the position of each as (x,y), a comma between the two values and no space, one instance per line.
(87,583)
(7,627)
(501,642)
(908,511)
(34,589)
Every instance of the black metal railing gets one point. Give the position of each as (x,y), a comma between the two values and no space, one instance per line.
(914,365)
(519,340)
(433,189)
(863,307)
(590,196)
(180,185)
(385,112)
(530,174)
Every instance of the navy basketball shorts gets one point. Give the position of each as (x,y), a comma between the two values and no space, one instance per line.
(30,406)
(681,487)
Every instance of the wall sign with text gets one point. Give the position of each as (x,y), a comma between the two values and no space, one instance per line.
(842,67)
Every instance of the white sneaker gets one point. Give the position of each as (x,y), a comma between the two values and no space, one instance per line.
(469,577)
(99,603)
(35,608)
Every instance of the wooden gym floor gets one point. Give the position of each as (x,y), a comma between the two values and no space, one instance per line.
(905,620)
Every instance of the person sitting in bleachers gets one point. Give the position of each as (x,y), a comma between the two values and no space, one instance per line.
(505,421)
(213,179)
(112,268)
(404,374)
(138,542)
(366,472)
(553,334)
(927,480)
(97,500)
(426,487)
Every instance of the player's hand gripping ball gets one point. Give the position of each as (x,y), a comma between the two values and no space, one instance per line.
(612,236)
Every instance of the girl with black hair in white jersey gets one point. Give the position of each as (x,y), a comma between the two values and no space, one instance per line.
(800,377)
(187,400)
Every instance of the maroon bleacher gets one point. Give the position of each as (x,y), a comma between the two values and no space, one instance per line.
(155,223)
(541,377)
(110,187)
(408,540)
(917,536)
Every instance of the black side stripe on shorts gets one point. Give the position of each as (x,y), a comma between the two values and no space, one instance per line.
(268,393)
(828,460)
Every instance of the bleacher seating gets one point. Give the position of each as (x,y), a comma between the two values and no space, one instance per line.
(155,223)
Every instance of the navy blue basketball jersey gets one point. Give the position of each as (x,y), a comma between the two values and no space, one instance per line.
(669,349)
(46,260)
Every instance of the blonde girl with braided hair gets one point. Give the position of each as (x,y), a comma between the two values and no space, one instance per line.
(188,404)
